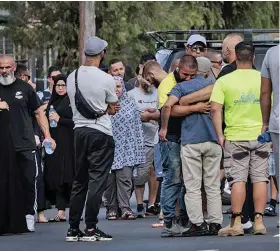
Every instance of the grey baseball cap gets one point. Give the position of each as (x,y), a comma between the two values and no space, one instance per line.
(94,45)
(196,38)
(204,64)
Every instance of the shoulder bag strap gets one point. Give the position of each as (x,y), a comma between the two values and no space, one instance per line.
(76,78)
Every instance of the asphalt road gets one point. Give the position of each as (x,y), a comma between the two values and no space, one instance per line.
(136,235)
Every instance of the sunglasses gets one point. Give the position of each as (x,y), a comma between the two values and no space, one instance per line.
(196,48)
(217,62)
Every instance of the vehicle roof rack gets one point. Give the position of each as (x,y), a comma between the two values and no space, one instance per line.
(177,38)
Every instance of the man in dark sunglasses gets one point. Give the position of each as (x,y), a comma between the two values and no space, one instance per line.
(196,46)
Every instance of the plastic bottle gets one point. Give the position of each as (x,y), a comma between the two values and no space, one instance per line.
(48,146)
(264,137)
(53,123)
(271,164)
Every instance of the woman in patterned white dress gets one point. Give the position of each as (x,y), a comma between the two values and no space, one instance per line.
(129,153)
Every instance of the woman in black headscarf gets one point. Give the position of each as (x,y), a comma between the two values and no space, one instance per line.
(59,166)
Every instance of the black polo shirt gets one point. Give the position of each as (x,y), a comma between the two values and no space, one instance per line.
(229,69)
(22,101)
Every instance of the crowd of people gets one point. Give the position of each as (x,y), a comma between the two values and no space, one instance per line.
(92,136)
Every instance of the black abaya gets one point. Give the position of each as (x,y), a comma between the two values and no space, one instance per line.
(12,206)
(59,167)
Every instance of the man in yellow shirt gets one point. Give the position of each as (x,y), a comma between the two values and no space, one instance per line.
(239,93)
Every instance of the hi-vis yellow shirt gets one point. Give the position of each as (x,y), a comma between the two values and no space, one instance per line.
(239,92)
(165,88)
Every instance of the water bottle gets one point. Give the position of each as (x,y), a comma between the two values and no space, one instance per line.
(48,146)
(53,123)
(271,164)
(135,172)
(264,137)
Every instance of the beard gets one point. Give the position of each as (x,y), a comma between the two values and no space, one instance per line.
(147,87)
(177,77)
(7,80)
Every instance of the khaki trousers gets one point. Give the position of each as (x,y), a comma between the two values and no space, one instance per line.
(201,162)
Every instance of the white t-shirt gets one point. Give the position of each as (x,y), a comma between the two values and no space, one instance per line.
(144,101)
(98,88)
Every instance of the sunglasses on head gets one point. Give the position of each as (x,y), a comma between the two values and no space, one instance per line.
(196,48)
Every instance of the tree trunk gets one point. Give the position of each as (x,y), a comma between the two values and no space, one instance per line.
(87,25)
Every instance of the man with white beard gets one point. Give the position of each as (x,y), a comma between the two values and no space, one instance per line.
(21,100)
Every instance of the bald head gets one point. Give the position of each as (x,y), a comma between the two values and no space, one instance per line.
(229,44)
(7,59)
(151,66)
(153,72)
(7,69)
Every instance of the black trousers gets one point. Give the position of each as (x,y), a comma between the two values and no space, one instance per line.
(62,197)
(28,170)
(40,187)
(94,156)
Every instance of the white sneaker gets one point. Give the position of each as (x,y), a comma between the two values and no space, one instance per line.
(30,221)
(247,227)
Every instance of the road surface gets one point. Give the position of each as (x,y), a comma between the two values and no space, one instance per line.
(136,236)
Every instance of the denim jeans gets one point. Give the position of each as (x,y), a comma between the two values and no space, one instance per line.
(172,178)
(158,161)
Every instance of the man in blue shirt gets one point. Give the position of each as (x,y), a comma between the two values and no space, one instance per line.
(200,154)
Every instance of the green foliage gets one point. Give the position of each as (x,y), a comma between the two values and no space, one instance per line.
(124,24)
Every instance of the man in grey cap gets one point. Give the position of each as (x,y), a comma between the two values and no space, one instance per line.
(200,154)
(94,144)
(196,46)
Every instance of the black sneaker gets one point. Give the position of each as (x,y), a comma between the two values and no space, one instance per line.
(214,228)
(151,210)
(74,235)
(96,235)
(270,211)
(195,230)
(157,208)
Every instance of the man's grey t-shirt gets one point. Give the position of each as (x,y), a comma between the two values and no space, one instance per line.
(196,127)
(270,69)
(145,101)
(98,88)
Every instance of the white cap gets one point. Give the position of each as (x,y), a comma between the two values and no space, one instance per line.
(196,38)
(204,64)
